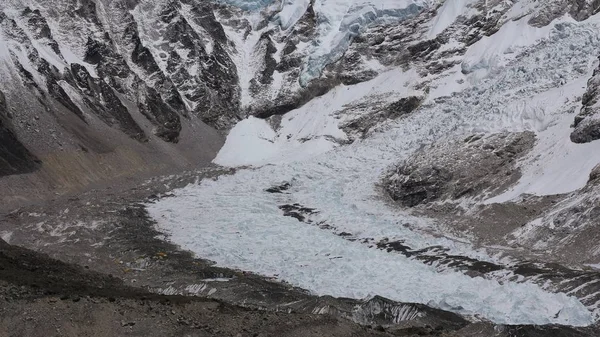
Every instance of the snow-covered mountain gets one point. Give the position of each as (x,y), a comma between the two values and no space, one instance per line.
(145,84)
(153,69)
(430,151)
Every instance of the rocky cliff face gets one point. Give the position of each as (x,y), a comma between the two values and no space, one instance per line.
(587,122)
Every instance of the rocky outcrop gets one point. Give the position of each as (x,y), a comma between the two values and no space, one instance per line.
(196,77)
(40,29)
(587,122)
(578,9)
(194,63)
(476,167)
(361,126)
(587,130)
(86,101)
(109,65)
(102,100)
(166,121)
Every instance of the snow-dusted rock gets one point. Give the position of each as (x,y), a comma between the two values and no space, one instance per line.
(587,122)
(474,167)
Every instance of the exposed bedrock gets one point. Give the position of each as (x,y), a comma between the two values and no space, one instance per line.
(578,9)
(474,167)
(587,122)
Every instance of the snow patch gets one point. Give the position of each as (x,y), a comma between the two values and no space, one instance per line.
(251,141)
(71,58)
(556,165)
(6,236)
(447,14)
(495,51)
(291,11)
(243,56)
(308,131)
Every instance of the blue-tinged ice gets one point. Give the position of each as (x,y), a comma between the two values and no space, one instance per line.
(340,21)
(248,5)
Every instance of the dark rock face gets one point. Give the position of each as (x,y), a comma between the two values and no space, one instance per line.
(403,106)
(296,99)
(58,93)
(476,166)
(421,185)
(269,60)
(142,57)
(291,93)
(578,9)
(213,86)
(86,82)
(587,122)
(424,48)
(279,189)
(586,132)
(14,156)
(87,11)
(166,120)
(126,65)
(103,101)
(109,64)
(40,29)
(362,125)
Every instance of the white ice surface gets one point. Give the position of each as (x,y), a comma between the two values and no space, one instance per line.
(291,11)
(71,58)
(254,236)
(232,220)
(308,131)
(495,51)
(243,56)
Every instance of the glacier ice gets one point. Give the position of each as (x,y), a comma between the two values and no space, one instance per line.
(248,5)
(291,11)
(340,21)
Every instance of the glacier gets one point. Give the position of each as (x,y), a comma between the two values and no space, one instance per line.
(234,222)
